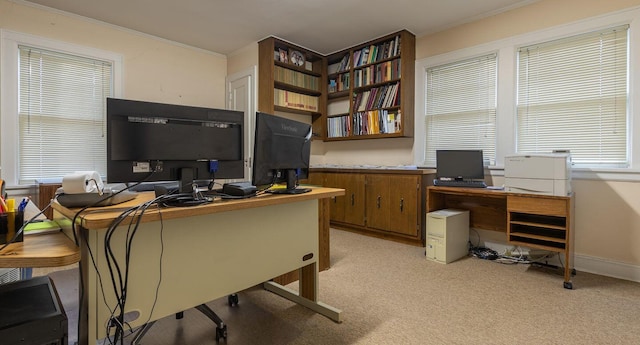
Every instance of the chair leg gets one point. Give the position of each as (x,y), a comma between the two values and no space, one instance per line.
(221,329)
(141,332)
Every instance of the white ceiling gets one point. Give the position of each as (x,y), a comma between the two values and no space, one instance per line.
(325,26)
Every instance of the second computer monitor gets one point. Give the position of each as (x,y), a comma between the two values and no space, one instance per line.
(460,164)
(282,148)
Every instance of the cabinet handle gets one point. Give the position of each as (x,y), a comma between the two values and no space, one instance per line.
(353,199)
(378,201)
(401,204)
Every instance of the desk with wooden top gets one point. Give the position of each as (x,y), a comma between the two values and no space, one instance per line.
(532,220)
(41,250)
(193,255)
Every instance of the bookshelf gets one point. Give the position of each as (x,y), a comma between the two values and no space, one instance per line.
(370,89)
(292,80)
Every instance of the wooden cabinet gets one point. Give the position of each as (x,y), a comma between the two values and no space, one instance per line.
(384,203)
(393,202)
(370,89)
(349,208)
(292,79)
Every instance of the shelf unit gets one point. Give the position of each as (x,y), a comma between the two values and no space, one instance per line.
(287,87)
(370,89)
(541,223)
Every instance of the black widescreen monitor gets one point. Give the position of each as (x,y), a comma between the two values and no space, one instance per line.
(282,148)
(459,164)
(150,142)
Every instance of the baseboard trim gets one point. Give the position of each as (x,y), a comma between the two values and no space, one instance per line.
(605,267)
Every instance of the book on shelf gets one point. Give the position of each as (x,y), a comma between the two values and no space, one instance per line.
(295,100)
(377,52)
(339,67)
(379,73)
(385,96)
(295,78)
(379,121)
(339,83)
(338,126)
(333,85)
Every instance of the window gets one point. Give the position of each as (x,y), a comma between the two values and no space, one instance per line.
(62,107)
(586,105)
(461,107)
(54,117)
(572,94)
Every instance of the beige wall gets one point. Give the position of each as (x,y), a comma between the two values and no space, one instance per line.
(243,59)
(539,15)
(154,70)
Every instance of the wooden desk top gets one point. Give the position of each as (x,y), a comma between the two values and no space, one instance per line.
(41,250)
(489,193)
(101,217)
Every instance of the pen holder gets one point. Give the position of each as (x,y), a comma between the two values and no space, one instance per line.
(4,227)
(18,222)
(10,224)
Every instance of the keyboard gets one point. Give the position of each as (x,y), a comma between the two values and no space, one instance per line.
(460,183)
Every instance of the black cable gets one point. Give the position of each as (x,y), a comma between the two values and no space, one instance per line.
(120,287)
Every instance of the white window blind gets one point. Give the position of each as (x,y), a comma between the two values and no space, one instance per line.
(461,108)
(572,95)
(62,109)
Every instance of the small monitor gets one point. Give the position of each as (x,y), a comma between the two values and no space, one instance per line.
(459,164)
(282,148)
(154,142)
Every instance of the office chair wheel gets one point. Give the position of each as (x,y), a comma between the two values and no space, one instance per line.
(221,332)
(233,299)
(568,285)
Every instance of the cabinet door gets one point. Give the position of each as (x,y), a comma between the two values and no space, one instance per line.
(377,194)
(354,198)
(334,180)
(404,204)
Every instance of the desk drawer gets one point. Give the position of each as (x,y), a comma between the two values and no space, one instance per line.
(538,205)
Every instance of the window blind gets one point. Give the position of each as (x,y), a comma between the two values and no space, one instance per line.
(62,109)
(572,95)
(461,108)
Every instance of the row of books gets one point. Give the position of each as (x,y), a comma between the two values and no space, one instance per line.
(296,78)
(377,52)
(380,97)
(341,66)
(338,126)
(378,73)
(379,121)
(295,100)
(340,83)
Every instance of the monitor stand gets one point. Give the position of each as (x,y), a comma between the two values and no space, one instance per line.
(292,179)
(186,196)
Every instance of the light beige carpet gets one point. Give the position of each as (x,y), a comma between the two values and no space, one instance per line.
(390,294)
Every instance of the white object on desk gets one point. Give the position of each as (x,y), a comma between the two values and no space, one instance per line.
(548,174)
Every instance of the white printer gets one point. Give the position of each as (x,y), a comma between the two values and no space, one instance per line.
(544,173)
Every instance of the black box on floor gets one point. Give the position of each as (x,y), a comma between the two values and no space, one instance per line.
(31,313)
